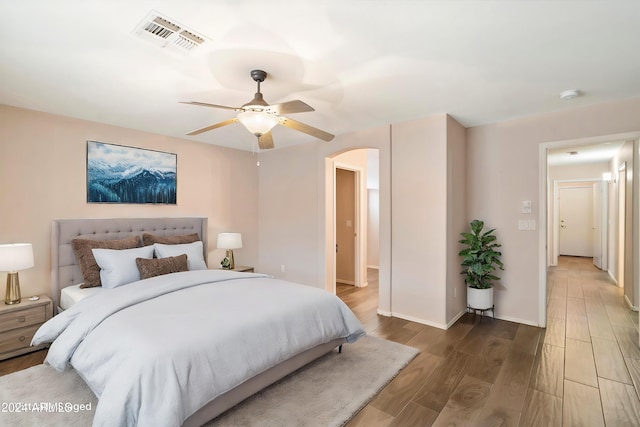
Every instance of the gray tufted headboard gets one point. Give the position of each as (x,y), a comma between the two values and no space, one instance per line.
(64,269)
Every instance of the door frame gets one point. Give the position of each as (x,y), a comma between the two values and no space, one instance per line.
(621,232)
(360,278)
(543,214)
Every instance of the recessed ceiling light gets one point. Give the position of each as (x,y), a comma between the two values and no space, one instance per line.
(569,94)
(572,153)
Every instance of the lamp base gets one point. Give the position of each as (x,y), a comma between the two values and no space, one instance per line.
(12,295)
(232,264)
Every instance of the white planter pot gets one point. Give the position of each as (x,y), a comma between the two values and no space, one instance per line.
(479,299)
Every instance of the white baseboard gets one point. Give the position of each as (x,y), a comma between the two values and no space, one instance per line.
(517,320)
(374,267)
(418,320)
(456,318)
(612,278)
(346,282)
(631,306)
(383,313)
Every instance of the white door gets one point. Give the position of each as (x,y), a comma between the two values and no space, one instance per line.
(597,224)
(576,221)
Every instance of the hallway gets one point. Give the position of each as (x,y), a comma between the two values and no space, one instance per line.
(595,333)
(583,370)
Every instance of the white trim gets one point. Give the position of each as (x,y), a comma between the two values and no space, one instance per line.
(542,235)
(517,320)
(373,267)
(631,306)
(346,282)
(418,320)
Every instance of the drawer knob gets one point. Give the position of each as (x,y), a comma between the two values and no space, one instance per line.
(22,338)
(21,319)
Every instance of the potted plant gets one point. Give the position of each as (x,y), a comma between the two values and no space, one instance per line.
(480,259)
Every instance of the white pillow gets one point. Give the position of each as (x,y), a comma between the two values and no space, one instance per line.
(118,266)
(195,257)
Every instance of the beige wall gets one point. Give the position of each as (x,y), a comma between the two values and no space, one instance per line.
(43,177)
(296,210)
(631,286)
(457,219)
(504,169)
(419,203)
(373,227)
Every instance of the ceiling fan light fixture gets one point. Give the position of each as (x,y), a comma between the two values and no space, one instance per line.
(258,123)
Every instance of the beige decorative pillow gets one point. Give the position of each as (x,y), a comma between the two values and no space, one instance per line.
(150,239)
(88,265)
(159,266)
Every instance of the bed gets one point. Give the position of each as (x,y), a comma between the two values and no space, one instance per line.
(285,326)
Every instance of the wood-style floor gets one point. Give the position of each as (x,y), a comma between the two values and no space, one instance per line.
(583,370)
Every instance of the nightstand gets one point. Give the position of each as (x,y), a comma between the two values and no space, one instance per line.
(241,268)
(18,324)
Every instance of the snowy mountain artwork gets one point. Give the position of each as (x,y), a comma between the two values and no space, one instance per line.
(118,174)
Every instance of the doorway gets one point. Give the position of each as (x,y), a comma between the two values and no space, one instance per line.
(352,175)
(579,223)
(346,224)
(575,207)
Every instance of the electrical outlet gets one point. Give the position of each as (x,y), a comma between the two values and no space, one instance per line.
(282,268)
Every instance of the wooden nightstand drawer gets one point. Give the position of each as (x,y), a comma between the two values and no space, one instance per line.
(19,322)
(22,318)
(17,338)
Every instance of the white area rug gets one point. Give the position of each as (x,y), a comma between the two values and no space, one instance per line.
(327,392)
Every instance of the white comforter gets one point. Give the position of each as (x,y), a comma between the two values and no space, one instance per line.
(157,350)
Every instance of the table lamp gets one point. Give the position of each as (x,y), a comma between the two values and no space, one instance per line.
(15,257)
(230,241)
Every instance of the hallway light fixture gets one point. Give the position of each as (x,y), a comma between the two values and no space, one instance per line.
(606,176)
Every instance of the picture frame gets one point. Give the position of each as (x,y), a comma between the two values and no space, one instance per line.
(130,175)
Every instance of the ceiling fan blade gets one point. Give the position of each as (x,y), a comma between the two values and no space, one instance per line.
(289,107)
(217,125)
(204,104)
(265,141)
(309,130)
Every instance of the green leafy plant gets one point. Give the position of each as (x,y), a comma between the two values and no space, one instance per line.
(480,257)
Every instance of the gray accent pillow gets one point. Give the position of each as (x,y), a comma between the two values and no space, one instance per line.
(87,262)
(159,266)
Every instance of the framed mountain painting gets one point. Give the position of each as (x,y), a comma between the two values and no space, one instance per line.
(119,174)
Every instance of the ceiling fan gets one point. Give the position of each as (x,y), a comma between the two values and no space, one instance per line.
(259,117)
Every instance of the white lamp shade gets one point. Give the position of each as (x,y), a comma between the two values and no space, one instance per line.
(16,256)
(257,122)
(229,240)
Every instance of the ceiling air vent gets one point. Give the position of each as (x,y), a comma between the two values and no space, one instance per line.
(167,33)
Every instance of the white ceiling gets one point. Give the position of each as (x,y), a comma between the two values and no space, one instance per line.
(580,154)
(358,63)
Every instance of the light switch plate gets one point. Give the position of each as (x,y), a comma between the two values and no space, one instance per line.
(526,206)
(527,224)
